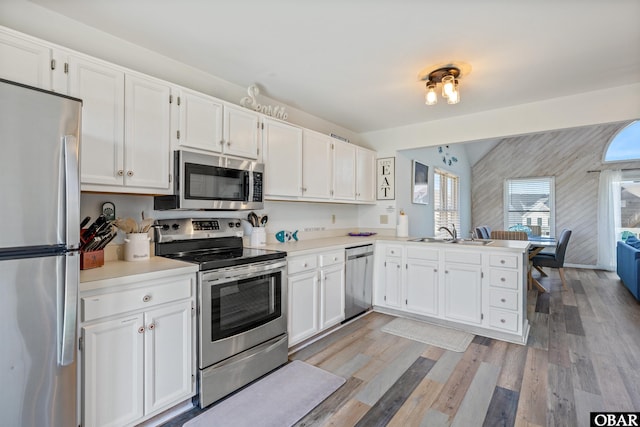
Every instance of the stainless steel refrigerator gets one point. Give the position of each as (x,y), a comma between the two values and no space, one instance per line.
(39,262)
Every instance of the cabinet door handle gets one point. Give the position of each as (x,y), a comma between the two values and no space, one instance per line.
(502,279)
(503,321)
(503,300)
(141,330)
(146,298)
(446,272)
(151,327)
(502,261)
(228,143)
(129,173)
(120,172)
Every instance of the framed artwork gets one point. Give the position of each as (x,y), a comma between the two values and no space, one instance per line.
(420,183)
(386,178)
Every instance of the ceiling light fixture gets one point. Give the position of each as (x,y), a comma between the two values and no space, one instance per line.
(448,78)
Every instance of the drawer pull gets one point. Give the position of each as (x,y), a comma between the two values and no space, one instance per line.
(146,298)
(503,321)
(503,300)
(502,279)
(305,265)
(141,330)
(502,261)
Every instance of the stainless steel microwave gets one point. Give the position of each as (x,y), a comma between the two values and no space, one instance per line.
(207,182)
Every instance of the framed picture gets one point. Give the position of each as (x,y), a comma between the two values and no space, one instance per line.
(386,178)
(420,183)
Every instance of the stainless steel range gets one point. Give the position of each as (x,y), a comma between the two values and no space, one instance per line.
(242,302)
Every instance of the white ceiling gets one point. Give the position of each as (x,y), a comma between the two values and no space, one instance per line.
(356,63)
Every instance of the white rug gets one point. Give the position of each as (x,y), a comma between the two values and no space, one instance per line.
(439,336)
(279,399)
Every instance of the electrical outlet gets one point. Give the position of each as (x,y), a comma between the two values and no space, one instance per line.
(384,219)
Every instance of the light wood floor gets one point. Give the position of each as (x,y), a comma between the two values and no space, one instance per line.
(583,355)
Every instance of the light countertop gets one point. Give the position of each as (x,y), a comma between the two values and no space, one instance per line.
(114,273)
(302,247)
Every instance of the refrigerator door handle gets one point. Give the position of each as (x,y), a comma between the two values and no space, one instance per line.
(70,309)
(72,195)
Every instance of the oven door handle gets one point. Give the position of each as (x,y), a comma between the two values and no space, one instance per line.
(228,276)
(233,277)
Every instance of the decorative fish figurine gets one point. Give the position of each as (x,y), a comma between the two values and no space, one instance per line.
(284,236)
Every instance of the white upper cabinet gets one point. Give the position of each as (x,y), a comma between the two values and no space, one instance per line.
(25,61)
(200,121)
(365,175)
(101,88)
(240,132)
(147,133)
(282,154)
(126,125)
(344,171)
(207,123)
(316,165)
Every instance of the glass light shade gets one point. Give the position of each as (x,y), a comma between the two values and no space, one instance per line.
(454,96)
(448,85)
(431,98)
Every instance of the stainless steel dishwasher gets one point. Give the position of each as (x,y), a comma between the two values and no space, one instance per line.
(359,278)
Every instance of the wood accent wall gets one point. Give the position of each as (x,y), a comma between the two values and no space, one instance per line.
(566,154)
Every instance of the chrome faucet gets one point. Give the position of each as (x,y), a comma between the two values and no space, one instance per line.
(453,232)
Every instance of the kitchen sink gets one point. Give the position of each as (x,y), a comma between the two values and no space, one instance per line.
(473,242)
(428,239)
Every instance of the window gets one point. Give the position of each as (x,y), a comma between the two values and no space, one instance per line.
(630,203)
(530,201)
(625,145)
(445,201)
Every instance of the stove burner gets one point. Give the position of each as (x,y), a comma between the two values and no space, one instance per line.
(217,256)
(210,243)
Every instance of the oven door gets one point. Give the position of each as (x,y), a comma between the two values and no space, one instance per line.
(240,307)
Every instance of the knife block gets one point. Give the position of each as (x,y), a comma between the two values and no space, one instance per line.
(91,259)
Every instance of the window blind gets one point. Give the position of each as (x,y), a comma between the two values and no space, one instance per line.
(446,200)
(530,202)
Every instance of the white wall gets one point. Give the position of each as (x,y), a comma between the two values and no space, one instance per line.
(421,217)
(602,106)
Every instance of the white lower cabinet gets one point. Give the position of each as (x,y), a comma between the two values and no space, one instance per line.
(478,289)
(316,288)
(393,276)
(422,286)
(463,292)
(137,351)
(303,306)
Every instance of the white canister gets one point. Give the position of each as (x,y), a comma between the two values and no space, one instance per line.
(258,236)
(136,247)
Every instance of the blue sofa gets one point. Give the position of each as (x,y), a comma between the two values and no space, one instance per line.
(628,267)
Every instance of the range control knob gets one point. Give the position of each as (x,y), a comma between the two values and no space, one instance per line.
(165,227)
(175,226)
(231,225)
(238,225)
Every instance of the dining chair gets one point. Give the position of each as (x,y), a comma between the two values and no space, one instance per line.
(556,259)
(509,235)
(483,232)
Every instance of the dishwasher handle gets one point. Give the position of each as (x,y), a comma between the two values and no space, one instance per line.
(350,257)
